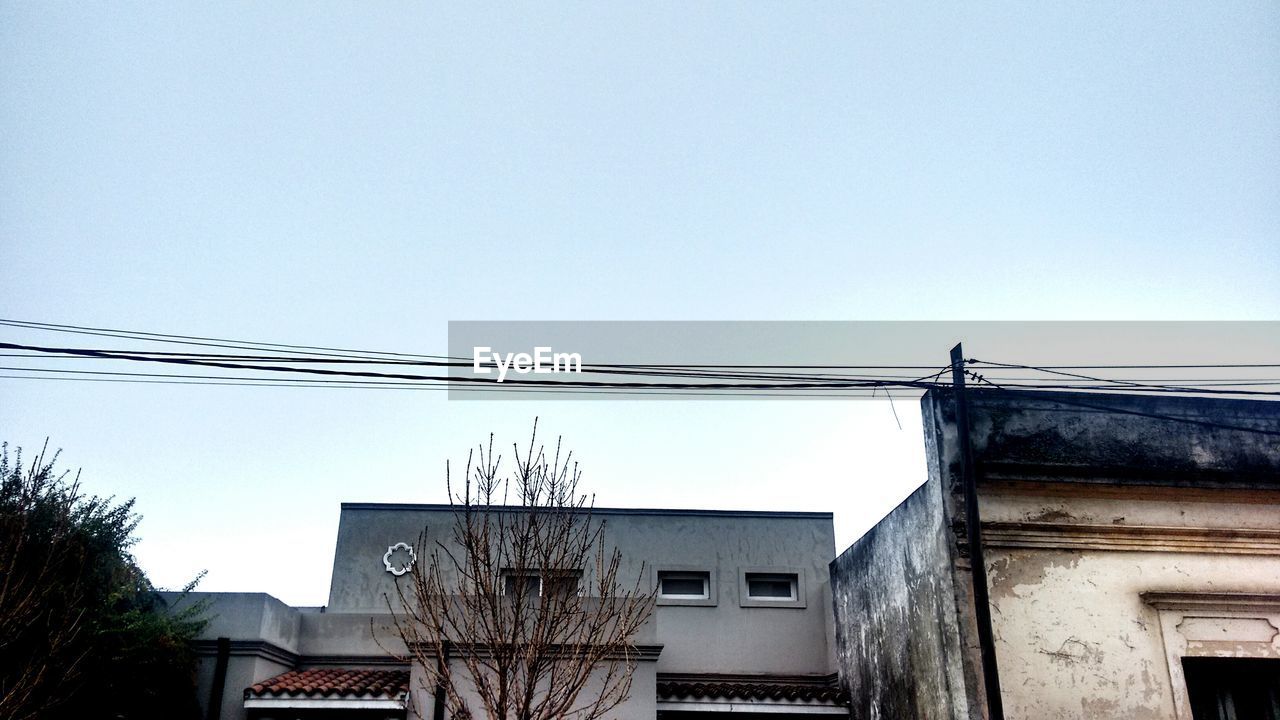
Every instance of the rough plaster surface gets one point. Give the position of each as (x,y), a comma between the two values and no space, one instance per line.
(895,610)
(1074,638)
(1074,483)
(1109,438)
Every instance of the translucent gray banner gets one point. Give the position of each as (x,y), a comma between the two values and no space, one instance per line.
(595,360)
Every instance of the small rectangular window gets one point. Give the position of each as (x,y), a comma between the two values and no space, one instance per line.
(562,584)
(531,584)
(523,585)
(684,585)
(771,586)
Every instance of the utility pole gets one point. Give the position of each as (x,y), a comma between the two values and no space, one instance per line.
(977,561)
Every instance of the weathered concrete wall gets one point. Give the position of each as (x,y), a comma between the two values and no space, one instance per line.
(1127,439)
(1089,503)
(725,637)
(895,612)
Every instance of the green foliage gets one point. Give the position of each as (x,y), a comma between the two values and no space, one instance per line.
(83,632)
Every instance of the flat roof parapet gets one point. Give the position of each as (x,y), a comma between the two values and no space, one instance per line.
(1118,438)
(665,512)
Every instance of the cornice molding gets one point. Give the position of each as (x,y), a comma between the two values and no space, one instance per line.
(400,663)
(1131,538)
(1219,601)
(647,653)
(1096,473)
(249,648)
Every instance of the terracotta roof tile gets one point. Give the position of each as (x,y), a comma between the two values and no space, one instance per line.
(750,688)
(333,682)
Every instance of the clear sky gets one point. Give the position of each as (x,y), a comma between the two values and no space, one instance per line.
(358,174)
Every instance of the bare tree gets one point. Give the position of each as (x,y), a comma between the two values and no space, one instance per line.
(518,611)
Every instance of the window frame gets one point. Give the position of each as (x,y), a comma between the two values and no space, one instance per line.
(509,573)
(576,575)
(712,598)
(1226,616)
(797,575)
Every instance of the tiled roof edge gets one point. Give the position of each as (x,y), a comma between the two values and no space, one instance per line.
(326,683)
(789,688)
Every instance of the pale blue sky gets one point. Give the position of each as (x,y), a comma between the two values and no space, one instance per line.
(358,174)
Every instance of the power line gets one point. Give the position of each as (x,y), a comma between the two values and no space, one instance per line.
(1133,385)
(802,394)
(1069,380)
(119,355)
(300,359)
(1059,399)
(198,340)
(790,383)
(393,381)
(202,341)
(1207,366)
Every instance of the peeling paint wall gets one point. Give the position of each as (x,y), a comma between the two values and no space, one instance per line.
(1091,502)
(1091,505)
(1074,638)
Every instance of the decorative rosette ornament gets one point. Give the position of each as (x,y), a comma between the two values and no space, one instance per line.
(399,559)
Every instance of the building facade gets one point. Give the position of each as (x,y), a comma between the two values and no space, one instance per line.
(742,623)
(1132,552)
